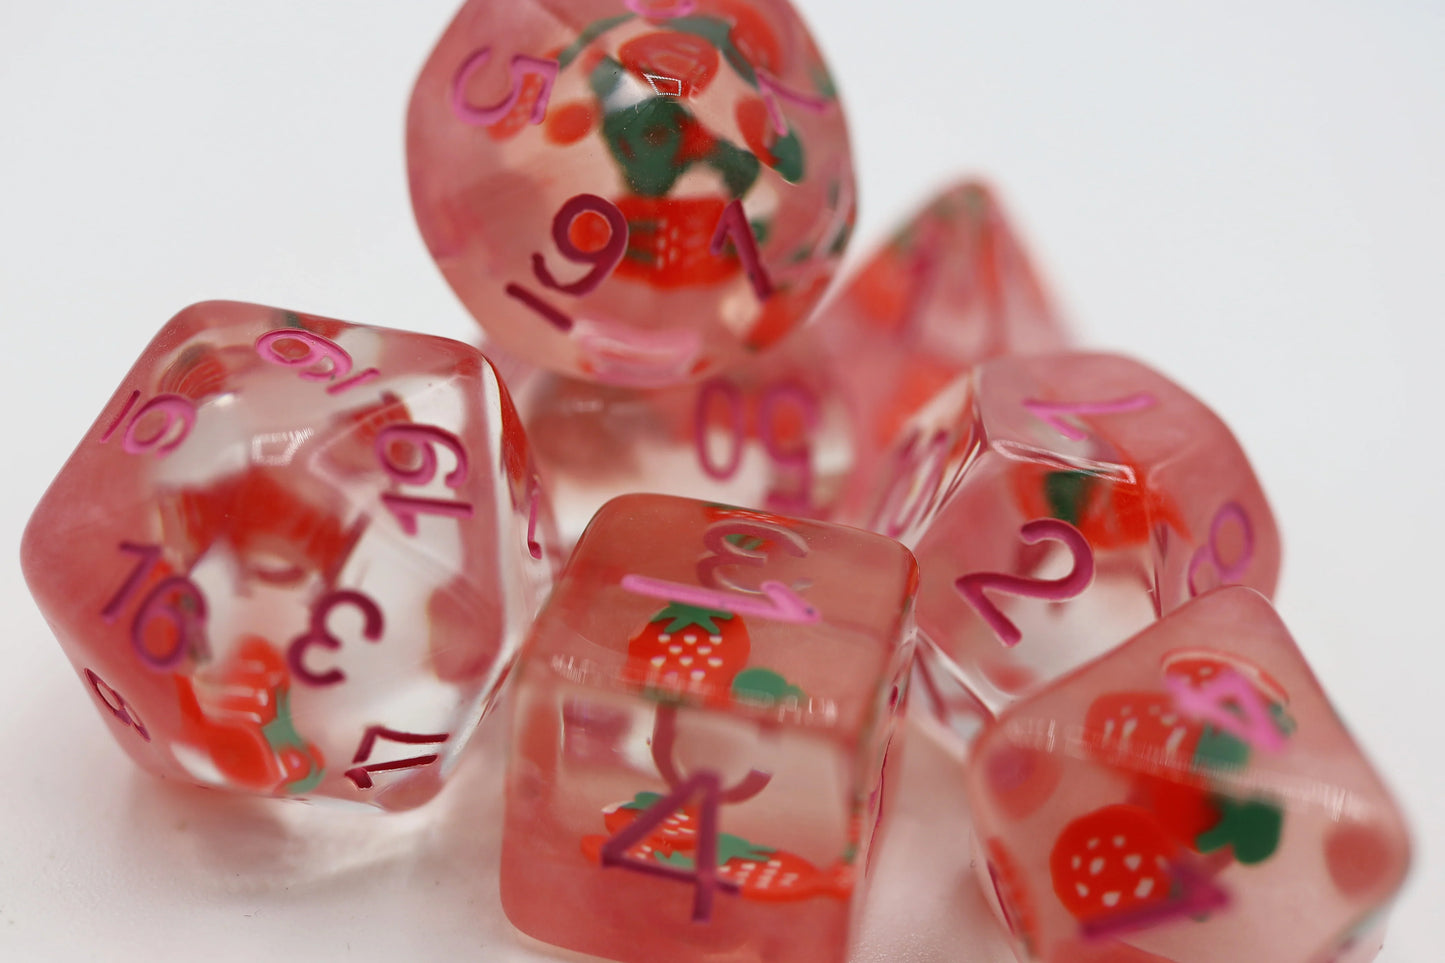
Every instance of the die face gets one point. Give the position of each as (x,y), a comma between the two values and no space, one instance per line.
(702,666)
(295,556)
(631,192)
(1061,502)
(1182,796)
(774,435)
(952,288)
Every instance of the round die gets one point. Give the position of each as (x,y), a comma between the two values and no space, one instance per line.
(637,192)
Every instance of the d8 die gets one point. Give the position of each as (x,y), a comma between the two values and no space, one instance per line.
(703,715)
(1060,502)
(295,556)
(774,435)
(1191,797)
(951,288)
(636,192)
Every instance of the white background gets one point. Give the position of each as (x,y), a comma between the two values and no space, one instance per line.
(1247,196)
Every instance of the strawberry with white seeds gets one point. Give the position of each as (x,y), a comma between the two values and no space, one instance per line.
(1112,863)
(1141,731)
(678,832)
(770,875)
(689,650)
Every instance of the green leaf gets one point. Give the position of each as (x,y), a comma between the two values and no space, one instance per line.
(1067,493)
(683,616)
(643,800)
(1252,827)
(764,686)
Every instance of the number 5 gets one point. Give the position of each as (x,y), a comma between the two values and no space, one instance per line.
(522,66)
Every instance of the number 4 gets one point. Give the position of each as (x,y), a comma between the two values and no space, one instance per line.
(1229,703)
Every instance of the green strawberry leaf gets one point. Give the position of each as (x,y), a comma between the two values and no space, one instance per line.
(643,800)
(1067,493)
(684,616)
(1218,749)
(1252,827)
(728,848)
(764,687)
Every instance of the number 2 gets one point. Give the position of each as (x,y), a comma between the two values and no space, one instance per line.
(1057,590)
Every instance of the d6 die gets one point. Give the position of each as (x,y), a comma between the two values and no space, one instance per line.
(636,192)
(1191,797)
(295,556)
(703,715)
(1060,502)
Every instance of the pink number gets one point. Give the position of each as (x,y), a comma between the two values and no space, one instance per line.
(733,224)
(1070,586)
(798,460)
(772,91)
(317,634)
(174,409)
(603,260)
(117,705)
(425,438)
(733,399)
(720,540)
(702,786)
(661,9)
(664,756)
(1229,572)
(522,66)
(551,315)
(361,775)
(406,508)
(324,360)
(1229,703)
(782,605)
(1051,412)
(149,556)
(1192,894)
(186,613)
(905,501)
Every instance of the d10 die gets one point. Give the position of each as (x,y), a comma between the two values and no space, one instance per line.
(636,192)
(1059,503)
(774,435)
(1191,797)
(951,288)
(295,556)
(703,716)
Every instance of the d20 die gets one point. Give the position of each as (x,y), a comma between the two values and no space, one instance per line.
(1059,503)
(632,192)
(703,716)
(1184,796)
(295,556)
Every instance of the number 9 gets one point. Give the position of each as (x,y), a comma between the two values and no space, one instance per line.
(603,260)
(318,351)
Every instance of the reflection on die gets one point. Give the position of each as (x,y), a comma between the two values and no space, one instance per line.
(1059,503)
(295,556)
(632,192)
(1191,797)
(703,717)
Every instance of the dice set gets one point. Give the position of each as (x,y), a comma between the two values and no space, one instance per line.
(303,558)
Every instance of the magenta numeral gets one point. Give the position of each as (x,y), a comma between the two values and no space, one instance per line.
(603,260)
(782,603)
(972,587)
(1192,894)
(361,775)
(150,555)
(1228,572)
(664,756)
(179,601)
(178,416)
(521,67)
(324,360)
(317,634)
(425,438)
(733,225)
(562,322)
(721,539)
(1051,412)
(732,398)
(406,508)
(661,9)
(115,422)
(370,374)
(117,705)
(1229,703)
(773,91)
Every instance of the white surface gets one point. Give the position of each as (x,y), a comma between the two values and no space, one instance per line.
(1247,196)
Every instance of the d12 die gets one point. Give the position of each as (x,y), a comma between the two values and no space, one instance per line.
(636,192)
(295,556)
(1059,503)
(703,716)
(775,435)
(951,288)
(1191,797)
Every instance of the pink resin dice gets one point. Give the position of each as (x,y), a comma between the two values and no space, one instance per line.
(775,434)
(1192,797)
(703,714)
(295,556)
(1059,503)
(636,192)
(951,288)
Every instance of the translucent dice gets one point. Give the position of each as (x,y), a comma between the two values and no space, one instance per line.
(1191,797)
(703,715)
(295,556)
(637,192)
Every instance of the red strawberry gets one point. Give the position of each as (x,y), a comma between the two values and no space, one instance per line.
(677,833)
(674,64)
(669,242)
(1199,666)
(689,650)
(1185,810)
(771,875)
(1141,732)
(1112,862)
